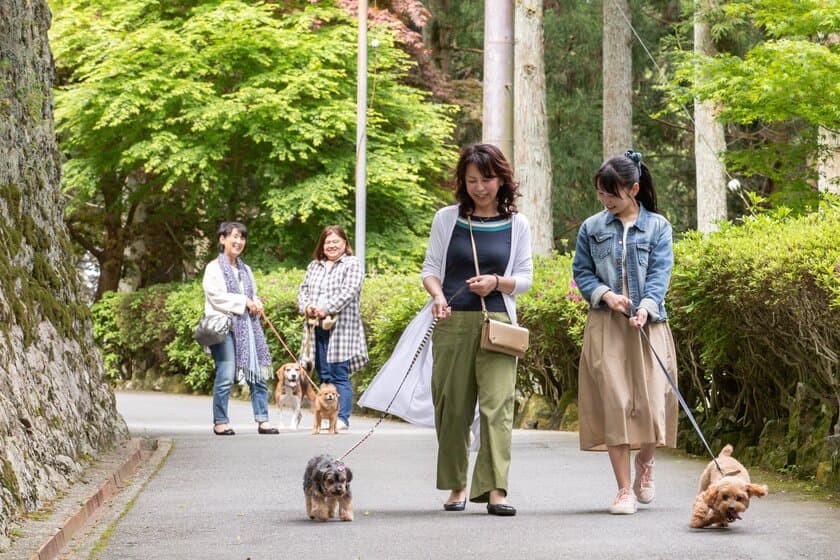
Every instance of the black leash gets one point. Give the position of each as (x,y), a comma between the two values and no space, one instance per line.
(426,337)
(679,396)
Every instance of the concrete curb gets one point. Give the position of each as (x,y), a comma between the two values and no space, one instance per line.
(112,485)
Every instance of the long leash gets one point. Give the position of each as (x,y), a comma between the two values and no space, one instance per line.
(679,396)
(426,337)
(286,346)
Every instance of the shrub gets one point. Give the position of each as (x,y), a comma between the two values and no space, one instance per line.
(554,313)
(755,315)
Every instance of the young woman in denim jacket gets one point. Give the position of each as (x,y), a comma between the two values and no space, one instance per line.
(622,266)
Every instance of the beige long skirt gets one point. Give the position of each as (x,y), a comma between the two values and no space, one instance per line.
(623,395)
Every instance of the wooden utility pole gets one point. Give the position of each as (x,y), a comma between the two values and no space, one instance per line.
(498,76)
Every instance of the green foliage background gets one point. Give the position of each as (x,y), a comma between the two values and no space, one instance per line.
(774,83)
(211,110)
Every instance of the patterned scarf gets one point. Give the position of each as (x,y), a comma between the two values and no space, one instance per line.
(242,323)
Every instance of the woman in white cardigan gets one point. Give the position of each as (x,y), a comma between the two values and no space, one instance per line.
(454,375)
(229,289)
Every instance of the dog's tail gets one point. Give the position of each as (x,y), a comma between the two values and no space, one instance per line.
(726,451)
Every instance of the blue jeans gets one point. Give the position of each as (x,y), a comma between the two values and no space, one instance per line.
(337,373)
(225,357)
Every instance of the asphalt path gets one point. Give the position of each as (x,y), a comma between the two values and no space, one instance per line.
(241,498)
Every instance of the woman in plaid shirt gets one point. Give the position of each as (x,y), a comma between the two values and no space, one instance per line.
(333,286)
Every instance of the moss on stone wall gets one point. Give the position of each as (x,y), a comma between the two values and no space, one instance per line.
(53,390)
(46,285)
(10,482)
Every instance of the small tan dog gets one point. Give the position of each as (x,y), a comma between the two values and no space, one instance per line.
(721,499)
(292,388)
(326,486)
(325,407)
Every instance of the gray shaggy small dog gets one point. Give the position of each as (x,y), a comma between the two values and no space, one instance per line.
(326,485)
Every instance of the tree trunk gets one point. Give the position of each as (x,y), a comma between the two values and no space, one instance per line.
(709,140)
(829,166)
(532,156)
(112,255)
(618,78)
(56,408)
(498,76)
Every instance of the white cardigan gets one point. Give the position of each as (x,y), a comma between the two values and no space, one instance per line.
(414,401)
(217,300)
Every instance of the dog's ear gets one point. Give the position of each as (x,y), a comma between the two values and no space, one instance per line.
(318,476)
(349,474)
(710,496)
(757,490)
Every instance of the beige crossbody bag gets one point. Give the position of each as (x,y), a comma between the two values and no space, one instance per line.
(497,336)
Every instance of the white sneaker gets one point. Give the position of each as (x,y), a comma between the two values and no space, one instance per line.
(624,503)
(643,485)
(342,425)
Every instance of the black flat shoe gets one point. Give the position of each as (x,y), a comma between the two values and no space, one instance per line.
(504,510)
(455,506)
(268,430)
(226,432)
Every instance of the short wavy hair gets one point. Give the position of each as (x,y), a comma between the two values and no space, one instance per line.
(490,162)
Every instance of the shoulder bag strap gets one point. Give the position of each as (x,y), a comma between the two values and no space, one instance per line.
(477,273)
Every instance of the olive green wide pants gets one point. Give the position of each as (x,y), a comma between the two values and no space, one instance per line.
(464,374)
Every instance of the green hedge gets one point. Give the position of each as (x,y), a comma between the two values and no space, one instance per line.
(150,331)
(756,315)
(754,310)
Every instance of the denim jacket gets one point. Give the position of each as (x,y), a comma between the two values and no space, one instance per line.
(597,266)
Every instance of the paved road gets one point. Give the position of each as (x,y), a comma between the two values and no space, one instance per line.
(240,498)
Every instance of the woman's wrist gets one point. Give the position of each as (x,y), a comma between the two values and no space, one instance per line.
(496,287)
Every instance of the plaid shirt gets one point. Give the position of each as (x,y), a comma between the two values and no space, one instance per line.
(339,291)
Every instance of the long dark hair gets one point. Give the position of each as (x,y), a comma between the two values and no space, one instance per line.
(620,172)
(490,163)
(318,254)
(227,228)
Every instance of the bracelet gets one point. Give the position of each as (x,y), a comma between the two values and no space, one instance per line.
(496,287)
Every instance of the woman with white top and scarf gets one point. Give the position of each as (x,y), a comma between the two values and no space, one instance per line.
(229,289)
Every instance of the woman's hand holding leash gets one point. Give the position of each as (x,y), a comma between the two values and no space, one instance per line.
(622,304)
(254,306)
(483,285)
(618,303)
(440,308)
(640,319)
